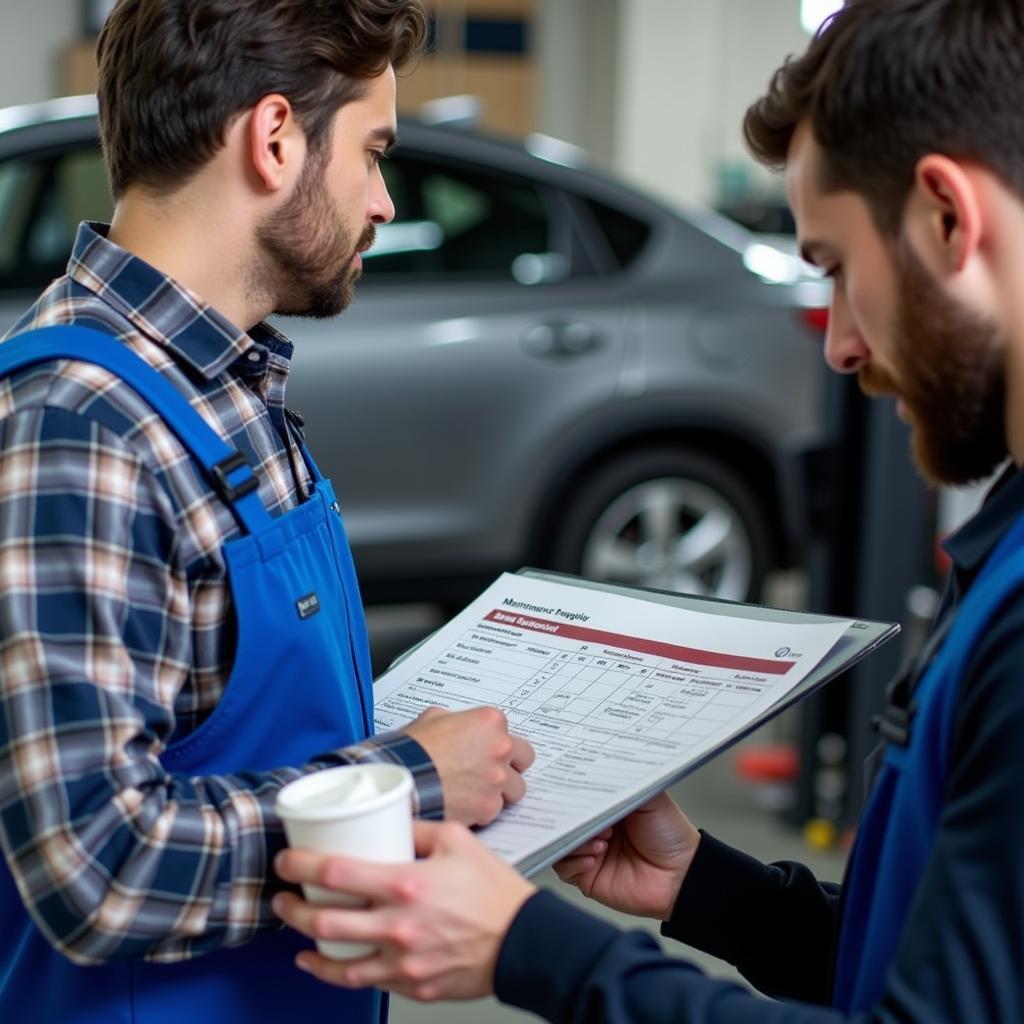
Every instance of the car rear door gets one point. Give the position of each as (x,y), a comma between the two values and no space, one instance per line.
(479,332)
(51,178)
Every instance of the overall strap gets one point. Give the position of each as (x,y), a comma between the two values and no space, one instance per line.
(228,470)
(298,424)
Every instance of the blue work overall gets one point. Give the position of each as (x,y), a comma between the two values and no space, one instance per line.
(897,831)
(300,685)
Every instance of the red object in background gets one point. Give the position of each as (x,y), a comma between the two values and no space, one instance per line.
(768,764)
(817,319)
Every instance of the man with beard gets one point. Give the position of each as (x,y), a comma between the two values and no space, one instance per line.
(180,627)
(900,132)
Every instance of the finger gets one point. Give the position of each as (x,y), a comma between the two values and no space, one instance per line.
(370,881)
(514,789)
(428,713)
(523,754)
(487,718)
(299,866)
(592,847)
(427,836)
(573,869)
(356,973)
(376,970)
(329,923)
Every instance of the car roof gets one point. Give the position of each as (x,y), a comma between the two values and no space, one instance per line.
(527,155)
(48,111)
(85,106)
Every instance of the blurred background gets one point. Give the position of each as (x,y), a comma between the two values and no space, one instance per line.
(642,85)
(586,343)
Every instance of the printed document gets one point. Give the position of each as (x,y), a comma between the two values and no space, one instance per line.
(620,692)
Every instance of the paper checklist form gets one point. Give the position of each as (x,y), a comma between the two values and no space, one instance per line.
(617,692)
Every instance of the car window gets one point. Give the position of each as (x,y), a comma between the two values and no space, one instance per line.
(15,184)
(42,200)
(464,222)
(625,236)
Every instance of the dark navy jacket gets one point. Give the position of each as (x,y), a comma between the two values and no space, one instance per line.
(961,956)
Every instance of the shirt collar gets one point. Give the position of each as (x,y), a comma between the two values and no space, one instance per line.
(167,311)
(971,545)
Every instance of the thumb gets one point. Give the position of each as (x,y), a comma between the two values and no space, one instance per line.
(427,837)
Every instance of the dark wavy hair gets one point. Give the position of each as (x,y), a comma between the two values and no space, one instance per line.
(885,82)
(173,74)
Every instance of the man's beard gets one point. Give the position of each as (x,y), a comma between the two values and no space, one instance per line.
(307,252)
(949,371)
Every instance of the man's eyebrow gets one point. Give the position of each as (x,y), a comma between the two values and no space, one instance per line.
(385,135)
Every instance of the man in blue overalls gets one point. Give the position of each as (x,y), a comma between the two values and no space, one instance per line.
(902,134)
(181,632)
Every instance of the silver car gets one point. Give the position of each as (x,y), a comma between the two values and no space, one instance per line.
(542,366)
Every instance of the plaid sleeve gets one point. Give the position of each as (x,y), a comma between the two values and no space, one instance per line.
(114,857)
(396,747)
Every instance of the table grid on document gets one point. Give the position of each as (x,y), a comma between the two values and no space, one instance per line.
(577,703)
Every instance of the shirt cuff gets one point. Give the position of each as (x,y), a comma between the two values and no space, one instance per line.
(397,747)
(721,886)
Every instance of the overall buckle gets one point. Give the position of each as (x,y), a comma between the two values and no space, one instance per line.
(228,491)
(900,708)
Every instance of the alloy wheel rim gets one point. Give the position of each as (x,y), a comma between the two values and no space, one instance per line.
(672,534)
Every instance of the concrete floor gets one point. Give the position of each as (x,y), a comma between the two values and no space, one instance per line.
(714,797)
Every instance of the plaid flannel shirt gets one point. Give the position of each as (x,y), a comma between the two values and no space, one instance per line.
(117,631)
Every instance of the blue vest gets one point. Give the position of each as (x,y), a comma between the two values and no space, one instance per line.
(897,830)
(299,686)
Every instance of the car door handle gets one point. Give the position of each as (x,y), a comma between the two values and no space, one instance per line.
(560,340)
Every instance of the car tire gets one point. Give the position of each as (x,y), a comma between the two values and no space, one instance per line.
(667,519)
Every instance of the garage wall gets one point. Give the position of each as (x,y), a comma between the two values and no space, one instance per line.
(771,31)
(657,88)
(35,34)
(688,69)
(578,59)
(654,88)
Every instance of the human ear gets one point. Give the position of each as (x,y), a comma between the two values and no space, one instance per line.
(276,143)
(945,206)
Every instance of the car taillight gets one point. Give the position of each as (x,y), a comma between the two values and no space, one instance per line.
(943,563)
(815,318)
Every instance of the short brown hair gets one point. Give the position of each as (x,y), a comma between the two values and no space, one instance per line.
(885,82)
(173,74)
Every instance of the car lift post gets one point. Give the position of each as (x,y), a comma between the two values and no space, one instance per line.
(873,529)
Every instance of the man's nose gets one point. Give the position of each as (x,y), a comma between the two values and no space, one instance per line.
(845,349)
(382,209)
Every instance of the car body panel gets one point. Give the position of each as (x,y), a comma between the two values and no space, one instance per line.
(456,410)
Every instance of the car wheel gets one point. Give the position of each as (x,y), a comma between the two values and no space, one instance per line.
(670,520)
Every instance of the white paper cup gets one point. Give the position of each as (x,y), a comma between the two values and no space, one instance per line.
(362,811)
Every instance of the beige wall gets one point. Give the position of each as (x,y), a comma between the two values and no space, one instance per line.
(657,88)
(33,36)
(688,69)
(577,56)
